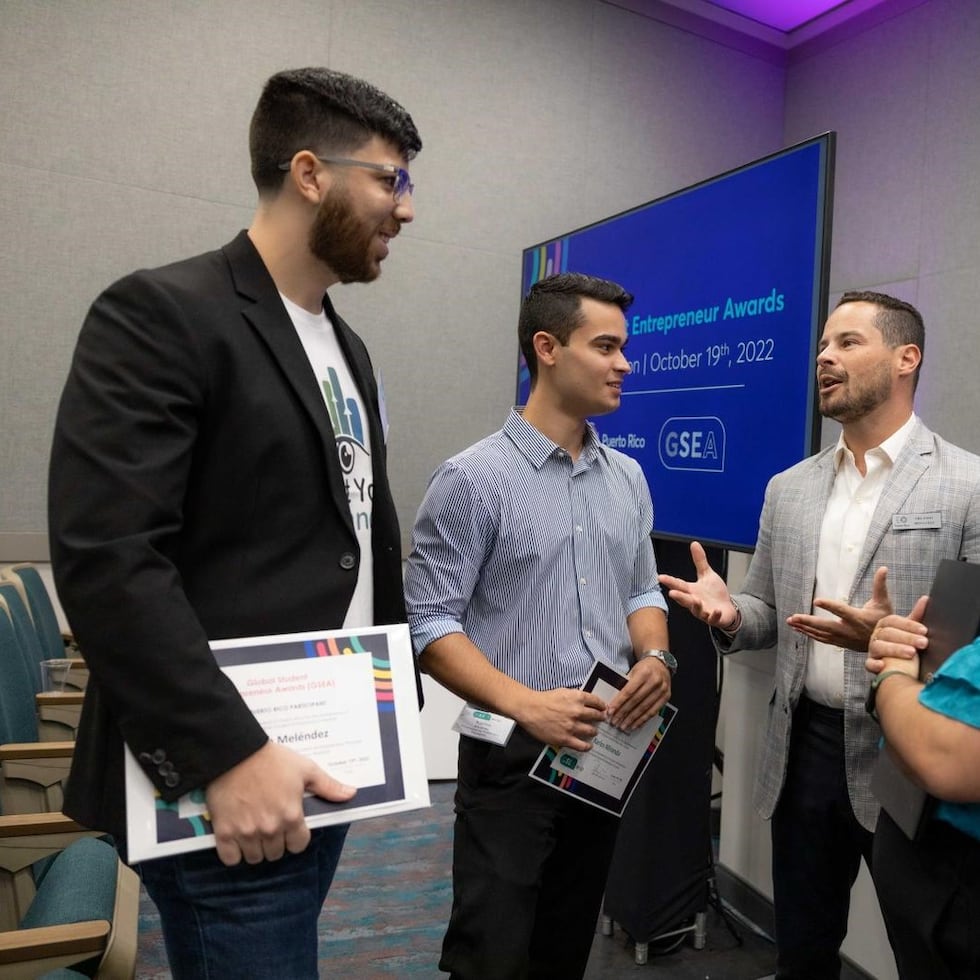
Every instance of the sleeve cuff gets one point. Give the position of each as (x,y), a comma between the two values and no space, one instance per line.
(424,634)
(646,601)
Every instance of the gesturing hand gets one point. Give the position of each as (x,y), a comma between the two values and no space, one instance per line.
(707,597)
(852,628)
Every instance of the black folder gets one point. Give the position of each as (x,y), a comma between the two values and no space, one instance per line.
(953,619)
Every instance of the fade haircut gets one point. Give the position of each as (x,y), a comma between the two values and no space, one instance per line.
(554,305)
(326,112)
(899,322)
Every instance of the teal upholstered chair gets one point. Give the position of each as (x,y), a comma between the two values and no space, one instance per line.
(54,643)
(27,638)
(76,914)
(57,712)
(31,772)
(40,606)
(67,904)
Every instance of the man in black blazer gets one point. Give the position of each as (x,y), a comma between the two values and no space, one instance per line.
(218,470)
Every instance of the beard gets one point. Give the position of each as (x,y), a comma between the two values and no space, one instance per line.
(342,241)
(849,406)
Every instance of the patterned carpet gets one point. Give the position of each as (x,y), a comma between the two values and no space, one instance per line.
(390,901)
(388,906)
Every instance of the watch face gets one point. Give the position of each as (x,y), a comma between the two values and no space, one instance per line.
(665,656)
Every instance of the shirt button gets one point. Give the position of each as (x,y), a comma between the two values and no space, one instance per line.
(582,581)
(348,560)
(588,633)
(578,527)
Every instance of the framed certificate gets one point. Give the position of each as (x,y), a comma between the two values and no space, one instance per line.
(607,774)
(345,698)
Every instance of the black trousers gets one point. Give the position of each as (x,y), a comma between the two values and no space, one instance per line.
(529,869)
(929,892)
(817,846)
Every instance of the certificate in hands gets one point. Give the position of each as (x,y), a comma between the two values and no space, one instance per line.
(607,774)
(345,698)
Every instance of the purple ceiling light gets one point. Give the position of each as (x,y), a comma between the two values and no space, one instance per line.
(782,15)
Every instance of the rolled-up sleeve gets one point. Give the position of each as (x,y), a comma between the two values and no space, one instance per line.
(450,541)
(645,588)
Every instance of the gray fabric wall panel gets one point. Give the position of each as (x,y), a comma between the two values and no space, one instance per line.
(905,101)
(123,144)
(948,397)
(950,205)
(872,90)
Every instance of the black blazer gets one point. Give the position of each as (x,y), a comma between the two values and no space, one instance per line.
(195,493)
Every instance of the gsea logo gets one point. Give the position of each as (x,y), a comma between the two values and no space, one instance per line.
(693,444)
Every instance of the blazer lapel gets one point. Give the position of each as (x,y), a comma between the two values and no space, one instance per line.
(912,462)
(812,521)
(268,317)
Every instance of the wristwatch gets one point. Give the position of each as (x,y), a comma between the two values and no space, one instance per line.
(871,704)
(665,657)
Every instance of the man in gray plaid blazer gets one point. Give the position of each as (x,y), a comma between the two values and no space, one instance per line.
(885,504)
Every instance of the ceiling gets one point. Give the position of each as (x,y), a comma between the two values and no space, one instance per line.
(781,15)
(774,29)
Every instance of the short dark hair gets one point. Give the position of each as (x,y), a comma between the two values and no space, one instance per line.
(554,305)
(324,111)
(899,322)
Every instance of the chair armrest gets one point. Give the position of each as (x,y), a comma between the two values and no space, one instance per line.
(26,751)
(76,940)
(36,824)
(59,698)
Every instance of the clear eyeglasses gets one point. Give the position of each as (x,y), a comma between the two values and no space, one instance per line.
(402,181)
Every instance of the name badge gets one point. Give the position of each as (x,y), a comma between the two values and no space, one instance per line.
(931,520)
(484,725)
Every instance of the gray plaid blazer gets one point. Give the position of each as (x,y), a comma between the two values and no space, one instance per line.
(930,476)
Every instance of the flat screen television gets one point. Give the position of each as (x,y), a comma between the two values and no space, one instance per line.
(730,278)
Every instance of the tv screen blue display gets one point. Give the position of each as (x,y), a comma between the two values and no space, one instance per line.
(730,284)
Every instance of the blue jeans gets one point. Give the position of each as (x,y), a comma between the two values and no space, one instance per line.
(246,921)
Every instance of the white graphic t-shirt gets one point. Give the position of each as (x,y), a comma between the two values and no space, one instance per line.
(349,419)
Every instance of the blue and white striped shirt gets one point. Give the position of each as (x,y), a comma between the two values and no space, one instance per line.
(537,558)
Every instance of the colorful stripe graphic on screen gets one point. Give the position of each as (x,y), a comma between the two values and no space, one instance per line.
(380,664)
(545,260)
(548,260)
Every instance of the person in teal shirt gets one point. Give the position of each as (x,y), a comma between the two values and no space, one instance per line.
(929,888)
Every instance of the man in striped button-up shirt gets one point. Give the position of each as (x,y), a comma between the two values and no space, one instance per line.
(531,560)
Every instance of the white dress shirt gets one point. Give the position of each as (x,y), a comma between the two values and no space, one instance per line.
(846,521)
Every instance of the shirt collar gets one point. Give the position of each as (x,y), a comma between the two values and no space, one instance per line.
(538,448)
(890,448)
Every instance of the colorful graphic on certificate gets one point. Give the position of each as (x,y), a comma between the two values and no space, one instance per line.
(345,698)
(607,774)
